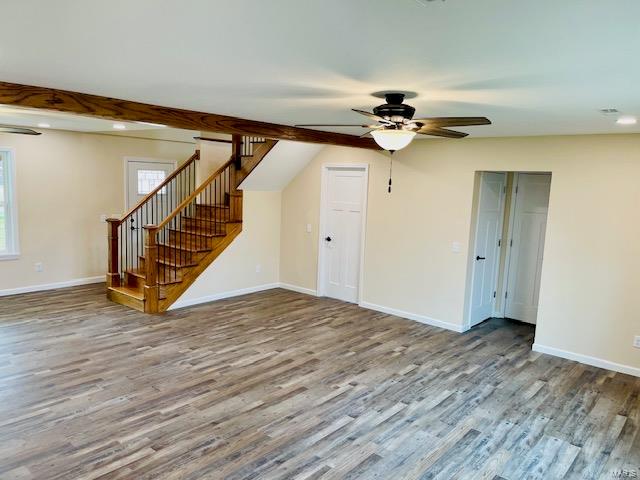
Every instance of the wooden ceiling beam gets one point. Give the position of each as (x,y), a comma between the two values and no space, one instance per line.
(129,111)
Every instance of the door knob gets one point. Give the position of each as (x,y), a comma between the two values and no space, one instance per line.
(328,239)
(480,258)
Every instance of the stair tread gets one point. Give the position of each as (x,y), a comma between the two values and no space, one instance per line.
(130,291)
(213,205)
(173,263)
(162,281)
(206,219)
(197,231)
(188,248)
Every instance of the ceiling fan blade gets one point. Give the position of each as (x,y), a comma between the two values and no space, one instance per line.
(452,121)
(373,116)
(331,125)
(19,130)
(441,132)
(373,129)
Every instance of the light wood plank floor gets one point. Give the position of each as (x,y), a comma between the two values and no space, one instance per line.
(279,385)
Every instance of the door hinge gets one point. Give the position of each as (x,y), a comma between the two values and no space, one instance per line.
(516,189)
(499,243)
(494,294)
(506,294)
(504,189)
(511,243)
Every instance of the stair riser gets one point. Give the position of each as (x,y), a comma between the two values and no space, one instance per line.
(133,281)
(219,213)
(203,225)
(178,256)
(191,240)
(168,277)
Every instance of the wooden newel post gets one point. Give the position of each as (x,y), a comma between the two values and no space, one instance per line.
(236,146)
(151,294)
(113,270)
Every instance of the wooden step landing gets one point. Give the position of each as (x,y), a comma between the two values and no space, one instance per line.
(131,297)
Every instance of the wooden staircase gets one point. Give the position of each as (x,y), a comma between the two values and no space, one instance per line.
(159,248)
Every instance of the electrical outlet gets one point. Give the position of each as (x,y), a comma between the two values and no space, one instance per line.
(636,341)
(308,228)
(103,218)
(258,268)
(38,267)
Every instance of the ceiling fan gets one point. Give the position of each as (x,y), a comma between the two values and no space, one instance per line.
(18,130)
(396,126)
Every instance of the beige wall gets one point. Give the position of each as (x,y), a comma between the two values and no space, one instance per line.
(212,156)
(588,300)
(65,181)
(257,247)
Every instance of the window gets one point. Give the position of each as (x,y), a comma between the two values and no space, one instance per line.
(150,179)
(8,210)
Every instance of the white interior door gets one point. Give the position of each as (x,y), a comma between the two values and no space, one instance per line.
(343,205)
(486,253)
(143,176)
(527,247)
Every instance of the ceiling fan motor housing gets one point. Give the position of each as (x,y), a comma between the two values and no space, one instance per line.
(394,109)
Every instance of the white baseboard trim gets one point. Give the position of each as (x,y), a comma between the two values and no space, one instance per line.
(586,359)
(295,288)
(222,295)
(413,316)
(52,286)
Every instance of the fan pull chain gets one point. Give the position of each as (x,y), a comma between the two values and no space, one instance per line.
(390,168)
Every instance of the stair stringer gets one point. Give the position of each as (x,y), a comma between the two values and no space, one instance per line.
(173,292)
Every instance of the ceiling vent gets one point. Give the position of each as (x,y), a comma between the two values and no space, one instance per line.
(609,111)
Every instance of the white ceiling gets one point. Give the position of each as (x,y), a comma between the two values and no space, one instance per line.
(37,119)
(533,67)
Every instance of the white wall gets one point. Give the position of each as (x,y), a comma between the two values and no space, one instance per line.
(65,181)
(258,245)
(588,300)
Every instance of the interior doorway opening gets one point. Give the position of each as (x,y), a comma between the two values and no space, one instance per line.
(507,245)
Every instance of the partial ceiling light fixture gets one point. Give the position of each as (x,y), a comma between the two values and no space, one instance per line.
(44,125)
(18,130)
(627,120)
(119,126)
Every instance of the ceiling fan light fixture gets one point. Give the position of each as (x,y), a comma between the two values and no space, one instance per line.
(393,140)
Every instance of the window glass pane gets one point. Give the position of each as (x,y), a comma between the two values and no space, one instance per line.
(150,179)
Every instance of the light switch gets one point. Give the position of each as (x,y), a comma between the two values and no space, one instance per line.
(456,247)
(308,228)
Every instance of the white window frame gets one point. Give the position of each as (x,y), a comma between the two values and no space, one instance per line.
(12,251)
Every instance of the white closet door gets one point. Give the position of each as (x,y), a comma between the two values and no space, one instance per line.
(486,254)
(342,238)
(527,249)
